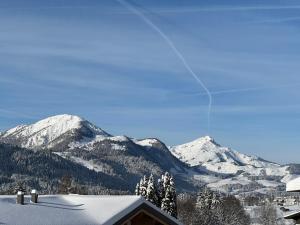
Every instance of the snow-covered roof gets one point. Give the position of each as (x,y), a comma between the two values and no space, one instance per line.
(71,209)
(293,185)
(293,215)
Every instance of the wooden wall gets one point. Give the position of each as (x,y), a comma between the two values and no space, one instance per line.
(143,218)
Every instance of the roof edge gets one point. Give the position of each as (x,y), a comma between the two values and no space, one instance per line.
(292,215)
(137,204)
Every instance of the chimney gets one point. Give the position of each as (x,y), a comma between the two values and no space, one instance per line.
(20,197)
(34,196)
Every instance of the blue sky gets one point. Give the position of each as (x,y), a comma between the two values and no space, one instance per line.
(99,60)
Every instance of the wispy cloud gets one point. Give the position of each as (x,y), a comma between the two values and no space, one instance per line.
(181,9)
(15,114)
(250,89)
(226,8)
(276,20)
(176,111)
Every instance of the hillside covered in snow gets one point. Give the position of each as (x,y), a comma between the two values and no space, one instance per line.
(238,171)
(199,162)
(205,152)
(51,131)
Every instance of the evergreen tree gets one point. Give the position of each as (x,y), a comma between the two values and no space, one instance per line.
(217,211)
(143,186)
(205,199)
(137,189)
(208,204)
(160,191)
(215,201)
(163,195)
(169,200)
(166,201)
(151,195)
(166,180)
(173,202)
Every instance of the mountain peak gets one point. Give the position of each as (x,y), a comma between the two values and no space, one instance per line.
(65,120)
(207,153)
(64,117)
(204,139)
(200,143)
(51,129)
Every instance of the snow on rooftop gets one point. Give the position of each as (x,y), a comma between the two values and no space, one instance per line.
(293,185)
(66,209)
(70,209)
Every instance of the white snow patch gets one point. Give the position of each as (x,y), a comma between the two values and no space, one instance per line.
(229,181)
(207,178)
(86,163)
(149,142)
(89,143)
(293,185)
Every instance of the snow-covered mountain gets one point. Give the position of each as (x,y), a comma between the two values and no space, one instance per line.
(76,139)
(238,170)
(207,153)
(199,162)
(51,131)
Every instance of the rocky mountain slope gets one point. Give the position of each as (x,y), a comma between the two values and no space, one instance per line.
(193,164)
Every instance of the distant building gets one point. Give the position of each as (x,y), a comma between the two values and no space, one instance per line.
(286,200)
(294,186)
(82,210)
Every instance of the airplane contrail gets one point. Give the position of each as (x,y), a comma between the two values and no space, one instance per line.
(174,49)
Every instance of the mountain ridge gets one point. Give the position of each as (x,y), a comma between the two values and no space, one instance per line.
(206,150)
(202,161)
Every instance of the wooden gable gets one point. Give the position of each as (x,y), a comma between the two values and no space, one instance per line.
(146,215)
